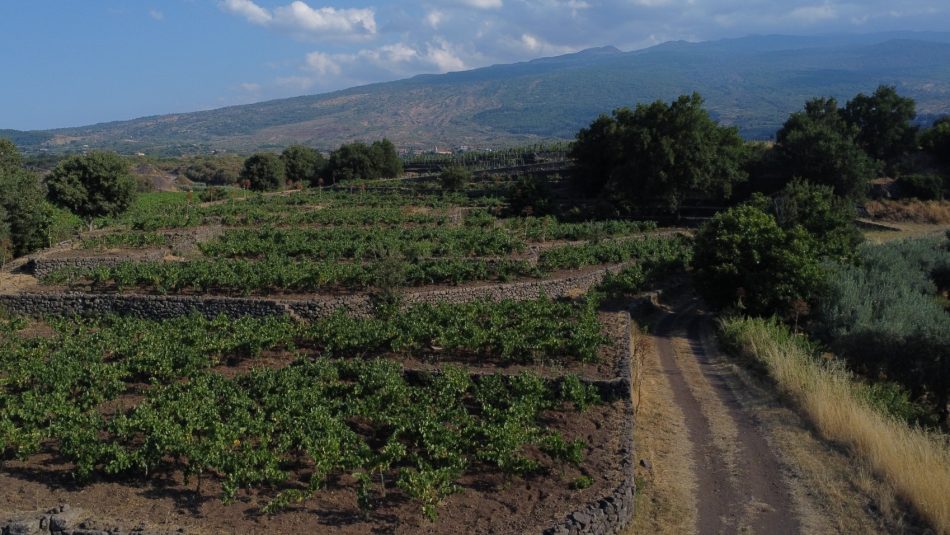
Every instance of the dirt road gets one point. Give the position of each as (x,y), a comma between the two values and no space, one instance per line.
(740,483)
(725,453)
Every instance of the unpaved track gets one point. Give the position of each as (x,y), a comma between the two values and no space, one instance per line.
(740,483)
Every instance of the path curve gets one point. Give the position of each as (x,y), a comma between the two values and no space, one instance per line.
(740,486)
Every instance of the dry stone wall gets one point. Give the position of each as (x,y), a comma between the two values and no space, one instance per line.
(169,306)
(611,514)
(42,266)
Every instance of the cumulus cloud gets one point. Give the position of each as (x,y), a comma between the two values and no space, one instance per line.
(305,22)
(247,9)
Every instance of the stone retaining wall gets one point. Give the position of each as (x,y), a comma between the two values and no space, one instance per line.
(611,514)
(41,266)
(169,306)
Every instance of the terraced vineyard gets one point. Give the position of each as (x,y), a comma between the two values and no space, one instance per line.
(454,365)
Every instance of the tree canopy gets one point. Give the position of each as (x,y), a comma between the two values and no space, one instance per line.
(827,218)
(359,160)
(455,177)
(742,256)
(302,164)
(264,171)
(93,185)
(936,139)
(819,145)
(883,122)
(658,154)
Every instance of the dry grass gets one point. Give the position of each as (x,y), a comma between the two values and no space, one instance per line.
(666,495)
(915,463)
(910,211)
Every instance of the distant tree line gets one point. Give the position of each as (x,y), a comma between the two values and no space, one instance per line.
(266,171)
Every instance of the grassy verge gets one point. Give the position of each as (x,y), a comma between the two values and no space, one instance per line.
(914,462)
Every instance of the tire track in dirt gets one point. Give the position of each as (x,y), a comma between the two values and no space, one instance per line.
(740,486)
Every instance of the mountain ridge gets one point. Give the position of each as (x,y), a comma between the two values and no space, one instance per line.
(752,82)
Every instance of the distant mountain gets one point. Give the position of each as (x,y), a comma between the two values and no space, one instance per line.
(752,82)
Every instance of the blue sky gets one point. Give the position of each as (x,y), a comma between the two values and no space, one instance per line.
(71,62)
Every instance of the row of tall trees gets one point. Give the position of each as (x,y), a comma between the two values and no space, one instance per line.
(265,171)
(657,155)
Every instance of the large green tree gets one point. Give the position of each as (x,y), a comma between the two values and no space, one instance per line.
(817,144)
(386,159)
(92,185)
(352,161)
(883,122)
(264,171)
(744,257)
(302,164)
(596,152)
(24,216)
(27,215)
(936,140)
(829,219)
(659,153)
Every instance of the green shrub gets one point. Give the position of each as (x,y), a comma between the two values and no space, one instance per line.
(923,187)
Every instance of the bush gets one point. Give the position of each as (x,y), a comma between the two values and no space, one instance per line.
(743,257)
(531,195)
(924,187)
(454,178)
(213,194)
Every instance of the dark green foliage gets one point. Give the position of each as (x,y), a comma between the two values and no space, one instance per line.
(820,146)
(883,316)
(385,158)
(303,164)
(10,159)
(24,215)
(531,195)
(936,140)
(926,187)
(659,153)
(27,215)
(454,178)
(94,185)
(827,218)
(743,257)
(220,169)
(883,123)
(264,171)
(6,239)
(596,152)
(359,160)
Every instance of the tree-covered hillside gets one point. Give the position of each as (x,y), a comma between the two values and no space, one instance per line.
(752,83)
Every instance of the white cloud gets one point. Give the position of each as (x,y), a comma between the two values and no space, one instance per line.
(305,22)
(299,16)
(441,54)
(322,64)
(251,87)
(434,18)
(247,9)
(156,14)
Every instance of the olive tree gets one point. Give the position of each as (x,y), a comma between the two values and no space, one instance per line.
(92,185)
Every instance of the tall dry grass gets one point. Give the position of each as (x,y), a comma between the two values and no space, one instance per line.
(910,211)
(916,463)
